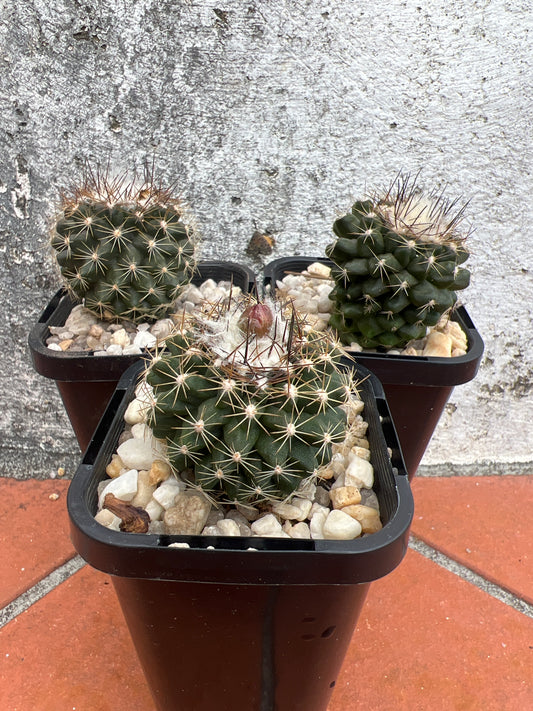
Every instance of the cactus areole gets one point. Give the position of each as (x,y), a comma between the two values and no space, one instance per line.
(398,258)
(125,251)
(248,403)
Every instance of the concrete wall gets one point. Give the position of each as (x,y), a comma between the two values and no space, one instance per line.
(274,115)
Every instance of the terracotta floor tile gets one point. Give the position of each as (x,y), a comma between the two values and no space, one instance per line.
(34,537)
(71,651)
(485,523)
(429,641)
(426,641)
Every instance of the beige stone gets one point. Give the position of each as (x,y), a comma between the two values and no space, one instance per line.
(355,408)
(115,467)
(188,514)
(325,473)
(300,530)
(367,516)
(228,527)
(121,338)
(358,426)
(362,442)
(95,331)
(458,336)
(410,351)
(438,345)
(344,496)
(159,471)
(144,490)
(318,269)
(362,452)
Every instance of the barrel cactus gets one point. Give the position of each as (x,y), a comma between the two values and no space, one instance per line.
(125,250)
(248,404)
(398,258)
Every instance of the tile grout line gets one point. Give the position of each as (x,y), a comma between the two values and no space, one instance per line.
(475,471)
(492,589)
(65,571)
(39,590)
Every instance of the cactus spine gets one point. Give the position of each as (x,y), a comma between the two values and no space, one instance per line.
(126,251)
(247,402)
(398,258)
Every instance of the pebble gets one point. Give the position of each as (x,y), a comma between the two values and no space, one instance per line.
(210,530)
(159,471)
(166,493)
(215,515)
(319,508)
(144,339)
(228,527)
(114,349)
(145,490)
(115,467)
(267,526)
(120,338)
(345,496)
(316,525)
(135,412)
(132,349)
(108,519)
(154,509)
(241,521)
(369,498)
(368,517)
(321,496)
(123,487)
(297,510)
(80,321)
(359,472)
(139,453)
(140,430)
(162,328)
(340,526)
(188,514)
(299,530)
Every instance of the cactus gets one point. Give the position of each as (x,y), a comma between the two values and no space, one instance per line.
(124,250)
(397,257)
(248,403)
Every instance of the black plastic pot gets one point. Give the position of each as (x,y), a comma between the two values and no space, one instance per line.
(416,387)
(86,382)
(233,628)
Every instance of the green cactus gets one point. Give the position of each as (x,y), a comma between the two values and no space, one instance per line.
(248,403)
(126,251)
(397,258)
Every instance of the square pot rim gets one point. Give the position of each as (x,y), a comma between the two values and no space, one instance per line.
(273,561)
(74,366)
(397,369)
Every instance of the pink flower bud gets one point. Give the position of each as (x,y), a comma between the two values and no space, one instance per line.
(256,319)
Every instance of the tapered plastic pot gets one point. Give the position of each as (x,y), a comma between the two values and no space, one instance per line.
(417,388)
(261,624)
(85,381)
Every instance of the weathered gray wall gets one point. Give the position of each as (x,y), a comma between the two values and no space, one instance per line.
(274,115)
